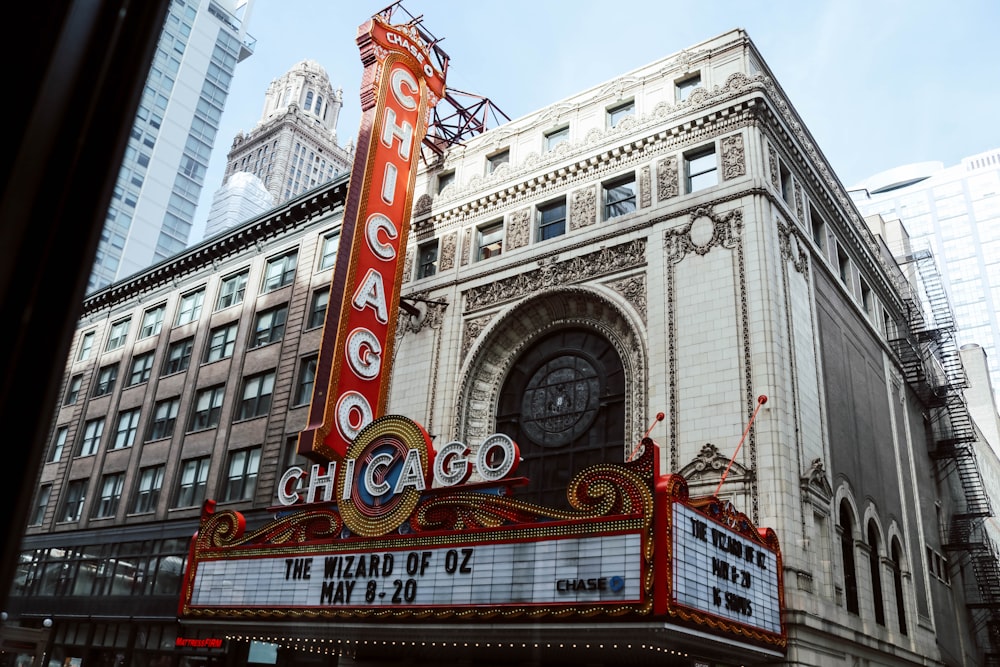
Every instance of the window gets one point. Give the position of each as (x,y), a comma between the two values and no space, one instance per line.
(178,356)
(317,309)
(307,376)
(489,242)
(142,366)
(207,408)
(221,342)
(818,229)
(58,444)
(427,255)
(86,345)
(118,334)
(328,253)
(42,504)
(280,271)
(785,179)
(269,327)
(897,584)
(257,390)
(497,159)
(111,493)
(556,137)
(241,479)
(684,87)
(846,530)
(91,440)
(552,220)
(164,418)
(619,112)
(700,169)
(232,290)
(867,299)
(844,266)
(152,321)
(76,493)
(875,568)
(105,383)
(128,424)
(445,178)
(190,308)
(619,196)
(192,482)
(73,390)
(147,492)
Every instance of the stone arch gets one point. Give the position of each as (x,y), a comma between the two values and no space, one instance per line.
(513,330)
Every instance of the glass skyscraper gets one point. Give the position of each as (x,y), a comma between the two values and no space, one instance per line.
(955,213)
(163,171)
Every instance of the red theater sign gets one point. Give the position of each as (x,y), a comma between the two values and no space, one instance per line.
(403,79)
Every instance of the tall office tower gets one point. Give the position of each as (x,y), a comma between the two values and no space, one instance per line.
(153,204)
(954,213)
(293,147)
(241,198)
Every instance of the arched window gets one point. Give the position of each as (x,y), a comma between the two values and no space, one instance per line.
(875,566)
(309,101)
(319,105)
(897,580)
(563,403)
(847,551)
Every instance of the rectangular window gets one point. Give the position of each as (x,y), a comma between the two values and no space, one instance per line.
(844,266)
(307,376)
(317,309)
(427,256)
(58,444)
(552,220)
(147,492)
(76,493)
(91,440)
(118,334)
(152,321)
(241,479)
(556,137)
(86,345)
(207,408)
(867,298)
(192,482)
(128,424)
(41,504)
(818,229)
(328,253)
(280,271)
(700,169)
(232,290)
(269,326)
(256,397)
(785,178)
(445,178)
(105,383)
(111,493)
(178,356)
(164,418)
(684,87)
(619,112)
(619,196)
(489,241)
(142,366)
(497,159)
(221,342)
(190,308)
(73,390)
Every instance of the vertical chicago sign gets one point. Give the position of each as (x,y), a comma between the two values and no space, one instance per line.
(403,79)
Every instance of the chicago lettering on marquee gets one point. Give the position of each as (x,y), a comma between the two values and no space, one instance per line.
(403,79)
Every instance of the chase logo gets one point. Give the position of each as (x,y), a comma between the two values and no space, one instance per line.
(614,584)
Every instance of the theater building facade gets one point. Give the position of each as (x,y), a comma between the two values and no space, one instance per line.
(645,406)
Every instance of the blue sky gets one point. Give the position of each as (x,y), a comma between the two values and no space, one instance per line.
(878,83)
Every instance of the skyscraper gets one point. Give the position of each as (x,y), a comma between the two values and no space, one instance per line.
(153,204)
(955,213)
(293,147)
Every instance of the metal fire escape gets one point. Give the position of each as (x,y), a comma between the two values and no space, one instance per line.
(931,362)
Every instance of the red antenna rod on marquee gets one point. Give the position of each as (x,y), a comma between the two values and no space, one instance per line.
(638,448)
(761,400)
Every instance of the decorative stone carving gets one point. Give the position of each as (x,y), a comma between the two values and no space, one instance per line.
(791,249)
(633,289)
(667,178)
(645,196)
(431,315)
(422,205)
(554,274)
(815,485)
(466,245)
(772,163)
(799,212)
(706,230)
(473,328)
(733,159)
(519,229)
(583,208)
(408,266)
(711,462)
(447,259)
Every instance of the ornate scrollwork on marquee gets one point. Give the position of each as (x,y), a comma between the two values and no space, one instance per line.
(227,529)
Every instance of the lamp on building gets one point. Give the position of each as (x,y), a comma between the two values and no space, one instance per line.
(47,623)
